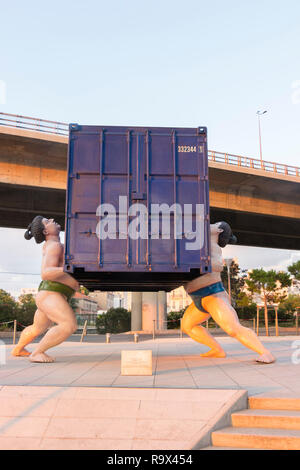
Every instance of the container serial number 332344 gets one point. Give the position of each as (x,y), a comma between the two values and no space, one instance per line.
(187,148)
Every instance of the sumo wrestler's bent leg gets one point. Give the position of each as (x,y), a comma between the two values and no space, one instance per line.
(40,324)
(191,326)
(58,311)
(218,305)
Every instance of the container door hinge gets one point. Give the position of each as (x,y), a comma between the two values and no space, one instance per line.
(74,127)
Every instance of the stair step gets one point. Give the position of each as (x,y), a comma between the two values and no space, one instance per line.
(274,403)
(257,438)
(257,418)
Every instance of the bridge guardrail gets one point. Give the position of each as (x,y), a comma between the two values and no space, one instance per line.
(62,128)
(256,164)
(34,124)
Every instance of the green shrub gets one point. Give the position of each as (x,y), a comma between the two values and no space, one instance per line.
(115,320)
(8,309)
(26,310)
(174,319)
(247,312)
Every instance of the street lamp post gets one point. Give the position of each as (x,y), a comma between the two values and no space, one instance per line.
(266,311)
(260,113)
(275,305)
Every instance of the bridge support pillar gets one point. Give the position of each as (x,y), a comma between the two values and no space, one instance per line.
(149,311)
(136,311)
(162,310)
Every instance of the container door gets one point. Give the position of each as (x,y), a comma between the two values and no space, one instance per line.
(123,187)
(177,178)
(106,186)
(98,173)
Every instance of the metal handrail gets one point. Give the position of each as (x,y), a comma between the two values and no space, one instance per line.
(62,128)
(35,124)
(254,163)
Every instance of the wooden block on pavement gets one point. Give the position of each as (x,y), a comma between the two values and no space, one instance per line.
(136,362)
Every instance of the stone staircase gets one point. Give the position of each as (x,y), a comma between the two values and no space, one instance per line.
(268,424)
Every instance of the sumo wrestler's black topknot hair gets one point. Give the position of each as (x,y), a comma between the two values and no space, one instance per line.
(35,229)
(226,237)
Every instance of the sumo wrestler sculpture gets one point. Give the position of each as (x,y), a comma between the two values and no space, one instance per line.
(54,294)
(211,300)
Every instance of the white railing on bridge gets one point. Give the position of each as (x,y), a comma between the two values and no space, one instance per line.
(62,128)
(34,124)
(256,164)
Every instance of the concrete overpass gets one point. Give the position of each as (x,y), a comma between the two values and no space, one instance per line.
(261,200)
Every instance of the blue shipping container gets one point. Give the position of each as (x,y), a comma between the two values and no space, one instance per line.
(134,198)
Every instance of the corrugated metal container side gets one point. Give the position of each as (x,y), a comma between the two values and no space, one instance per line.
(143,165)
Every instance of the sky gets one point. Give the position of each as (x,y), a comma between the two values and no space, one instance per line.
(158,63)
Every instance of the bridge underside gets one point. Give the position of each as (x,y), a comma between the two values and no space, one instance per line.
(20,204)
(260,230)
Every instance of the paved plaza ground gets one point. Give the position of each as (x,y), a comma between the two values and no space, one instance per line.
(176,364)
(83,401)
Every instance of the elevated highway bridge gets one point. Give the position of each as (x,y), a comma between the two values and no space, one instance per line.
(260,200)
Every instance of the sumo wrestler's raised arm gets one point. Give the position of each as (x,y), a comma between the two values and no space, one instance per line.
(51,271)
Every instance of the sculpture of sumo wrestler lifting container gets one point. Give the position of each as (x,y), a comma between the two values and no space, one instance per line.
(137,218)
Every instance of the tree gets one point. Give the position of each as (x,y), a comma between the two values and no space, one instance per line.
(8,307)
(236,281)
(246,311)
(84,290)
(290,304)
(294,269)
(115,320)
(26,309)
(243,300)
(74,304)
(270,285)
(174,319)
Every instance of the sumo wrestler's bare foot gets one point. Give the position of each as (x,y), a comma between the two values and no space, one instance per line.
(214,353)
(40,357)
(20,352)
(266,358)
